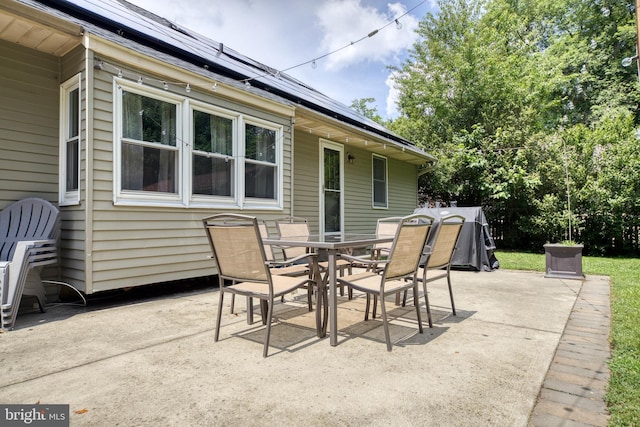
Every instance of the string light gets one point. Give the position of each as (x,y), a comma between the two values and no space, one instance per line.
(313,61)
(120,73)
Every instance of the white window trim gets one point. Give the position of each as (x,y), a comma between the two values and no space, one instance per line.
(129,197)
(184,175)
(325,143)
(386,182)
(255,203)
(68,198)
(201,200)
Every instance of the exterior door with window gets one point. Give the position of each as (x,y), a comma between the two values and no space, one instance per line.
(332,184)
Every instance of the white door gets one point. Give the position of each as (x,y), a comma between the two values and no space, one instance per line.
(331,188)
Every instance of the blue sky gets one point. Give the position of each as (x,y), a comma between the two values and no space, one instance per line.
(285,33)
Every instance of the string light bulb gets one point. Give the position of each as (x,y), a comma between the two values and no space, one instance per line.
(398,24)
(120,73)
(140,80)
(214,87)
(629,60)
(165,85)
(313,64)
(188,88)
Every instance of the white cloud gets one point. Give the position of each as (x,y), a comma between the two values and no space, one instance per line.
(392,97)
(349,21)
(286,33)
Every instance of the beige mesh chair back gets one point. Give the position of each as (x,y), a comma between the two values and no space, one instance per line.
(404,257)
(412,232)
(29,230)
(239,254)
(384,227)
(438,262)
(264,233)
(295,227)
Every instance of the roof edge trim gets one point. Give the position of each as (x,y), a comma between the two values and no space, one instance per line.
(145,63)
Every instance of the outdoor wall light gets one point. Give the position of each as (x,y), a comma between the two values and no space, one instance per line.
(351,158)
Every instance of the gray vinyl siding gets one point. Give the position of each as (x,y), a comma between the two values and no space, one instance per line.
(137,245)
(306,178)
(402,191)
(402,188)
(28,124)
(360,216)
(72,233)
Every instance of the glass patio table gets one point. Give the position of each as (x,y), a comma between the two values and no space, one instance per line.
(332,244)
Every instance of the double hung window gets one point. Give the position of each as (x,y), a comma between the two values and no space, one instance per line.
(379,182)
(70,104)
(149,156)
(174,150)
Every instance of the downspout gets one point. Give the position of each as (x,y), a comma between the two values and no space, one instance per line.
(426,168)
(88,209)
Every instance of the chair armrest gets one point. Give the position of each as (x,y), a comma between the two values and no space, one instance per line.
(41,252)
(362,260)
(294,260)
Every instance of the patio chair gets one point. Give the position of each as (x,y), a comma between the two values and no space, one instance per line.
(402,261)
(28,241)
(437,264)
(384,226)
(297,227)
(239,253)
(287,268)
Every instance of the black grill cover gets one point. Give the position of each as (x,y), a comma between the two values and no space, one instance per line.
(475,245)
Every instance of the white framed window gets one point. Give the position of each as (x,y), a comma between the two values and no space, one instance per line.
(262,155)
(172,150)
(70,138)
(214,133)
(379,182)
(147,155)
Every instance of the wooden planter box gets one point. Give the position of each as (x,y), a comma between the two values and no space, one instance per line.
(563,261)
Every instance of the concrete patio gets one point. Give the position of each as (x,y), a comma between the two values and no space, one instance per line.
(151,360)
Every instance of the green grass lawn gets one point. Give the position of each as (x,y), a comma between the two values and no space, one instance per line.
(623,393)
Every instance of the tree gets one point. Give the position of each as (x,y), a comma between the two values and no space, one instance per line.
(500,91)
(362,106)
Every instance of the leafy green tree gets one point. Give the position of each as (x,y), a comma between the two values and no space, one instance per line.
(522,101)
(362,106)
